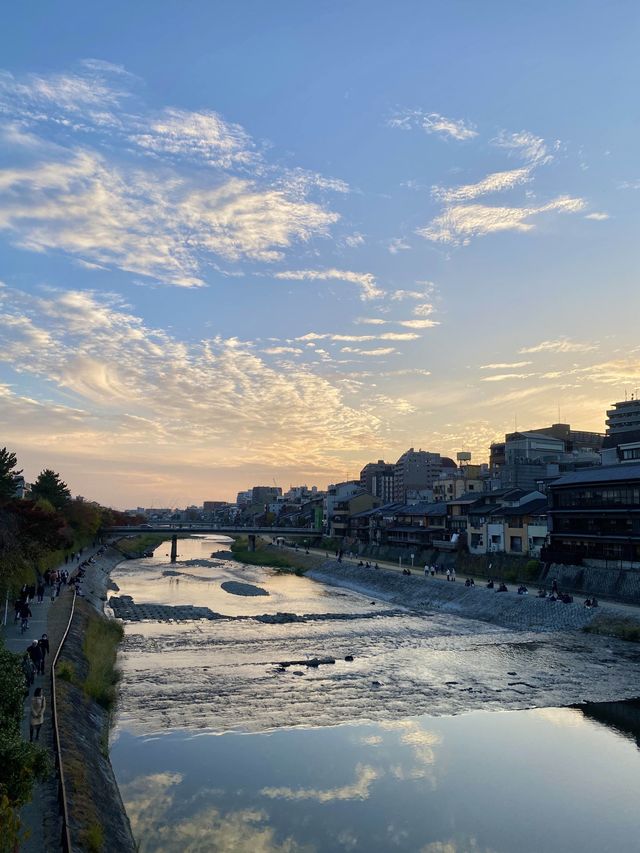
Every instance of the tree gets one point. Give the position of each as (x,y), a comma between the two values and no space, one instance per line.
(8,463)
(50,487)
(21,763)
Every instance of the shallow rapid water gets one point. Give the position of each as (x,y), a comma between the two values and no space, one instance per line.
(215,749)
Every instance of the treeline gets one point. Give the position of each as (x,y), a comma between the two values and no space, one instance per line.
(37,531)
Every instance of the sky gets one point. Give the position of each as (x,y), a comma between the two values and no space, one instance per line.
(251,243)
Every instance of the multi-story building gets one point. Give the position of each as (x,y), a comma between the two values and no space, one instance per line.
(418,469)
(265,494)
(344,510)
(337,493)
(622,441)
(213,506)
(510,521)
(595,515)
(572,439)
(377,479)
(530,458)
(453,483)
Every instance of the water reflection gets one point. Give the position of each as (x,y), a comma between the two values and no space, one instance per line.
(485,782)
(623,717)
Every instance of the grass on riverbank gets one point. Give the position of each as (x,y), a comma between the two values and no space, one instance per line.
(269,555)
(135,546)
(100,646)
(621,627)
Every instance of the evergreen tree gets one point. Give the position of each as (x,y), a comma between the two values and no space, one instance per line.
(8,464)
(50,487)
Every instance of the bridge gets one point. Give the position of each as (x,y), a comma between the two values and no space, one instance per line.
(175,530)
(229,529)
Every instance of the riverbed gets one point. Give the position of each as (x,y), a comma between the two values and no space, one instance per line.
(442,734)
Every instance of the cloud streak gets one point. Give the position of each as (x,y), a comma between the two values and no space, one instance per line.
(457,225)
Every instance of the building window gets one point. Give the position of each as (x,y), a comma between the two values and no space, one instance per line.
(516,544)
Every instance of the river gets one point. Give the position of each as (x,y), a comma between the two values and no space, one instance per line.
(442,735)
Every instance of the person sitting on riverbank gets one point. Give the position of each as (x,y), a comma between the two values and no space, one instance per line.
(594,601)
(490,584)
(542,592)
(376,566)
(502,587)
(566,598)
(587,603)
(522,590)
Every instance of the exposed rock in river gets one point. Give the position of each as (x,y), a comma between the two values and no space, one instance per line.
(237,588)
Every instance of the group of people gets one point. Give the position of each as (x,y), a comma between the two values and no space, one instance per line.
(34,658)
(434,569)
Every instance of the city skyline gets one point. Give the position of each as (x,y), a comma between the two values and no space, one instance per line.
(245,244)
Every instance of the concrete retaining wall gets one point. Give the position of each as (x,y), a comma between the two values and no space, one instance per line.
(620,584)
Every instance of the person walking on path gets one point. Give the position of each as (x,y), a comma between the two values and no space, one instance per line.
(453,574)
(35,653)
(448,575)
(43,642)
(36,718)
(40,591)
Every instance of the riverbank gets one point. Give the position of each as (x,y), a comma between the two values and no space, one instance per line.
(434,594)
(85,691)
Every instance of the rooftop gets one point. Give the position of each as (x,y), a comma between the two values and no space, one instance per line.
(602,474)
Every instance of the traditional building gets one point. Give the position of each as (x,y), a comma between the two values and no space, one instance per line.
(595,515)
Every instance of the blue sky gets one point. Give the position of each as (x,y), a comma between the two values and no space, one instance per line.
(247,241)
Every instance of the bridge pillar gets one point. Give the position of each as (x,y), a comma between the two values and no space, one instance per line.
(174,548)
(252,541)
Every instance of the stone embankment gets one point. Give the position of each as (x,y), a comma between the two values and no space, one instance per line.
(417,592)
(97,816)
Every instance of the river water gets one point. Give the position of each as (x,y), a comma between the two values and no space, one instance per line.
(443,735)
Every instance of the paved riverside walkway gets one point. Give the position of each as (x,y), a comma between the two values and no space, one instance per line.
(39,817)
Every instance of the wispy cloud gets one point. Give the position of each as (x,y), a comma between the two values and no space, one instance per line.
(136,221)
(205,134)
(433,123)
(398,244)
(217,397)
(418,324)
(366,281)
(526,145)
(370,352)
(560,345)
(144,212)
(502,377)
(496,182)
(459,224)
(504,365)
(598,217)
